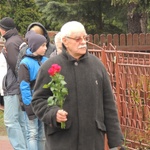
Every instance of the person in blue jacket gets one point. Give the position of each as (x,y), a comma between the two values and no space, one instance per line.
(27,74)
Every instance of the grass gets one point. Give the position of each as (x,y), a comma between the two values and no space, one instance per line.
(2,126)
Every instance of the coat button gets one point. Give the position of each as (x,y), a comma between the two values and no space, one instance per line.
(76,64)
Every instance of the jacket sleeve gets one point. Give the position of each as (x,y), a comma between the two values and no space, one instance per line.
(114,133)
(24,84)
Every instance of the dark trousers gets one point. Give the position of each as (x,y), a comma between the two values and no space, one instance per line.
(1,100)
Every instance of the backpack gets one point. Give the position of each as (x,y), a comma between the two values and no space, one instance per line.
(23,47)
(22,51)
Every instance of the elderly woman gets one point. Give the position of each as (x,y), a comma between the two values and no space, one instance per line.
(58,45)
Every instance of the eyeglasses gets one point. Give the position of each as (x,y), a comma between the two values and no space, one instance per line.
(79,39)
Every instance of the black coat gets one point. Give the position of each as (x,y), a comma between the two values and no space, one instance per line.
(13,41)
(90,105)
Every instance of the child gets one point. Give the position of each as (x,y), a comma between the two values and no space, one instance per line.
(27,74)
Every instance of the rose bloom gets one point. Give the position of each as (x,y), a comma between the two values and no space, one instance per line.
(55,68)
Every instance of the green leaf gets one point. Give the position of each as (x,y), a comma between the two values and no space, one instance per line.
(63,82)
(65,91)
(50,101)
(46,86)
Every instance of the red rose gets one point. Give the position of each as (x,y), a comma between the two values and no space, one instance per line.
(55,68)
(57,86)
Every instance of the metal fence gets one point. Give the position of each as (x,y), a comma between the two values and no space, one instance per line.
(129,74)
(127,42)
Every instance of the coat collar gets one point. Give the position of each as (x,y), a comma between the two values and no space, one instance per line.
(10,33)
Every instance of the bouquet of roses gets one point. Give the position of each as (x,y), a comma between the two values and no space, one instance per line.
(57,86)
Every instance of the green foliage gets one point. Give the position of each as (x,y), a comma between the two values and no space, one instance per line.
(115,21)
(58,14)
(57,86)
(137,15)
(122,2)
(2,126)
(23,12)
(142,6)
(90,13)
(98,16)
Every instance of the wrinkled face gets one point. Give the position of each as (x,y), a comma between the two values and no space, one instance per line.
(76,43)
(41,50)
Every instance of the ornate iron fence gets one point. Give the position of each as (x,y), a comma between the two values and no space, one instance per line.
(129,74)
(130,78)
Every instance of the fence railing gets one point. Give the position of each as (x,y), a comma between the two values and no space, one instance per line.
(128,42)
(129,74)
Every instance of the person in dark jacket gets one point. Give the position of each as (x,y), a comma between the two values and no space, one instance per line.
(89,110)
(40,29)
(27,74)
(14,117)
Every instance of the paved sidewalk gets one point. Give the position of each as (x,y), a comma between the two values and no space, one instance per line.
(4,143)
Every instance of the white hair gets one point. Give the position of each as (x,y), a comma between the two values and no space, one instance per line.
(70,27)
(57,38)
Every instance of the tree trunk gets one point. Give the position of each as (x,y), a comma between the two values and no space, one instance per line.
(143,22)
(137,22)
